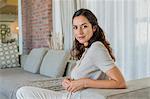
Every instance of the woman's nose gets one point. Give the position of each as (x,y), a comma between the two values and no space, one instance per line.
(79,31)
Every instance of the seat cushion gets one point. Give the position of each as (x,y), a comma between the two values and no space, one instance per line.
(54,63)
(34,59)
(13,78)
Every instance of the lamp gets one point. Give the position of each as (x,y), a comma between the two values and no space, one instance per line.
(17,28)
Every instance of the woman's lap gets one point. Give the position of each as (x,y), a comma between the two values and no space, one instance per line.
(28,92)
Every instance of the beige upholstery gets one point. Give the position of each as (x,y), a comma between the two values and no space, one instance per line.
(137,89)
(35,57)
(54,63)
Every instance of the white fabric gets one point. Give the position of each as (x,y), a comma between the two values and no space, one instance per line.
(34,59)
(62,22)
(37,93)
(28,92)
(54,63)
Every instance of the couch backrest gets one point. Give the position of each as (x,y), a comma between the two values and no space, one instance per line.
(34,60)
(55,54)
(69,66)
(54,63)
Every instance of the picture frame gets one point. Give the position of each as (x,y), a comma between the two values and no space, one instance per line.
(3,26)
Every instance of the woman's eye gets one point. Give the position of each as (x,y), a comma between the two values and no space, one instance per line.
(74,27)
(84,26)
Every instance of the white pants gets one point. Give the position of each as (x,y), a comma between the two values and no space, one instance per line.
(28,92)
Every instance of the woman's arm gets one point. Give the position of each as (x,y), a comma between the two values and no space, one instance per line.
(116,80)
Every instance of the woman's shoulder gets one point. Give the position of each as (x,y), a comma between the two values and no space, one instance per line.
(96,47)
(97,44)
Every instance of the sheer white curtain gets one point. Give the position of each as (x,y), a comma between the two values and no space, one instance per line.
(62,11)
(142,43)
(127,26)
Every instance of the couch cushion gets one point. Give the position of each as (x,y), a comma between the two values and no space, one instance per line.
(34,59)
(23,58)
(12,78)
(9,55)
(54,63)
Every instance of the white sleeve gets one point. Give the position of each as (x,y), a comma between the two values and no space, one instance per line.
(101,57)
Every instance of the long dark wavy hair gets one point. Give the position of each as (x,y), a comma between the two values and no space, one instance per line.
(98,35)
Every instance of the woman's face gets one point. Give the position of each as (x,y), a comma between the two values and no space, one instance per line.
(82,29)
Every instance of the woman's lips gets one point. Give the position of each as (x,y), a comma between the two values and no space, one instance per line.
(81,37)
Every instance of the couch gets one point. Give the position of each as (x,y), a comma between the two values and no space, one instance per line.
(42,67)
(45,69)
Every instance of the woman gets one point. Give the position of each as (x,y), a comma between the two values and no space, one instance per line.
(95,68)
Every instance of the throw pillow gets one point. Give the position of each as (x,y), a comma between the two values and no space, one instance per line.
(54,63)
(70,65)
(34,59)
(9,56)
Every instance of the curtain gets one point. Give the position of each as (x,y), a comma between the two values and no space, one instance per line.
(126,24)
(142,43)
(62,35)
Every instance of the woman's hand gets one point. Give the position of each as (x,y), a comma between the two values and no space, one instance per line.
(76,85)
(66,82)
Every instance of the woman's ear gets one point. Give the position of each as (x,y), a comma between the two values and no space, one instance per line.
(94,28)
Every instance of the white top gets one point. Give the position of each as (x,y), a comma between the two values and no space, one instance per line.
(95,61)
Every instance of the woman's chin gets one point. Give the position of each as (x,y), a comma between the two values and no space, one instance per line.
(81,42)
